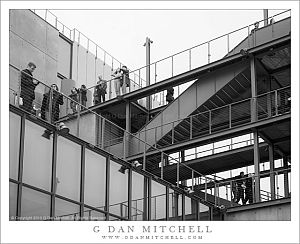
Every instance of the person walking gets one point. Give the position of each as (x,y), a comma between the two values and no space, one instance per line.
(28,85)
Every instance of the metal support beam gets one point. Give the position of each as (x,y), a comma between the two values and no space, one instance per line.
(82,180)
(129,194)
(53,175)
(286,177)
(256,166)
(145,216)
(107,187)
(20,168)
(253,90)
(272,174)
(183,207)
(167,203)
(147,45)
(149,197)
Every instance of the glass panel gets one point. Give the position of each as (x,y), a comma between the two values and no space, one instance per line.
(35,205)
(13,191)
(66,210)
(90,214)
(204,212)
(94,186)
(14,144)
(158,201)
(188,208)
(68,168)
(37,157)
(137,196)
(179,207)
(118,192)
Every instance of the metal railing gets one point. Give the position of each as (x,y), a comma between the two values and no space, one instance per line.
(183,61)
(55,108)
(269,104)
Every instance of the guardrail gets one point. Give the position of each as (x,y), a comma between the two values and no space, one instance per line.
(183,61)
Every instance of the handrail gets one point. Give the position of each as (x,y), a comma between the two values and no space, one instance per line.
(210,110)
(124,131)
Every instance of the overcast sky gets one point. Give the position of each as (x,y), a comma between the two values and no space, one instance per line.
(122,33)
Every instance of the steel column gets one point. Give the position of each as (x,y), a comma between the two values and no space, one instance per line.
(256,166)
(149,197)
(129,194)
(183,207)
(167,203)
(82,180)
(145,217)
(107,187)
(272,167)
(253,90)
(20,170)
(286,177)
(53,175)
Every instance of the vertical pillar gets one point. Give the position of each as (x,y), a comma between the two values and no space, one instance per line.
(256,166)
(107,187)
(53,176)
(265,17)
(145,198)
(183,207)
(253,90)
(176,205)
(167,203)
(272,174)
(128,128)
(82,180)
(129,194)
(147,45)
(286,177)
(149,198)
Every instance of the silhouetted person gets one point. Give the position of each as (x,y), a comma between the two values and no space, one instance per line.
(100,90)
(170,95)
(248,189)
(83,97)
(125,74)
(240,187)
(57,100)
(28,85)
(118,81)
(75,96)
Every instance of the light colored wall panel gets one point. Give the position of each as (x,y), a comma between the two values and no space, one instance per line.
(50,71)
(64,57)
(81,72)
(52,37)
(15,44)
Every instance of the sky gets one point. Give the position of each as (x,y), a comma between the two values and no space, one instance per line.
(122,33)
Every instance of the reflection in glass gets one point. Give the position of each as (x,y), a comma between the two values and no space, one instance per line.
(14,144)
(93,215)
(13,191)
(68,168)
(35,205)
(118,194)
(66,210)
(95,174)
(137,196)
(37,157)
(158,201)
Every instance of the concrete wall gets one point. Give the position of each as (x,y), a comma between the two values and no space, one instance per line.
(273,210)
(264,35)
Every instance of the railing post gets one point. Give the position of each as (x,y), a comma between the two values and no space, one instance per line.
(276,102)
(230,116)
(209,121)
(155,75)
(172,66)
(208,52)
(173,132)
(177,176)
(192,180)
(162,166)
(228,48)
(102,132)
(231,185)
(124,146)
(191,127)
(205,195)
(50,106)
(190,59)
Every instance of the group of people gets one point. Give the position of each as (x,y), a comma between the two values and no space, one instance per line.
(242,188)
(121,76)
(78,95)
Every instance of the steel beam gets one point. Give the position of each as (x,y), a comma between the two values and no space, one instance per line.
(272,174)
(256,166)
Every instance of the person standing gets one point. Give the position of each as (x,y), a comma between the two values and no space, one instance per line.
(74,96)
(248,190)
(57,100)
(82,95)
(240,182)
(102,89)
(118,81)
(28,85)
(170,95)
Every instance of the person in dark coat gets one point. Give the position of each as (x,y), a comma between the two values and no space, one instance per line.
(248,190)
(74,96)
(57,100)
(240,183)
(82,95)
(28,85)
(170,95)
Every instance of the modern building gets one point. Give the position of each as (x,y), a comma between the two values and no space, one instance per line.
(137,157)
